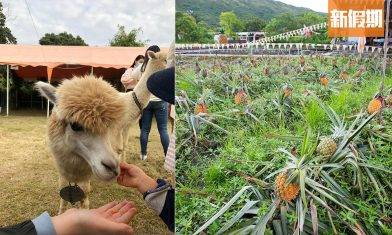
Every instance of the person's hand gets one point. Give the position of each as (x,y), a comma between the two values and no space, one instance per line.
(133,176)
(112,218)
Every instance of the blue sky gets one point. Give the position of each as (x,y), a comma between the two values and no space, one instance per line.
(95,21)
(317,5)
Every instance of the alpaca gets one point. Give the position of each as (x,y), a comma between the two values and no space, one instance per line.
(83,129)
(153,66)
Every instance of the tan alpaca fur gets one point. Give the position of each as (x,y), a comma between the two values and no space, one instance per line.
(91,102)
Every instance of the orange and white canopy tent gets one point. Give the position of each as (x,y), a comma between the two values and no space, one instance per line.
(62,62)
(59,62)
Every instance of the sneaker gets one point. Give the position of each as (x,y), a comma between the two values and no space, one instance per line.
(143,157)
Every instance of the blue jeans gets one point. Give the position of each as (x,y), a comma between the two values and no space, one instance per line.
(160,110)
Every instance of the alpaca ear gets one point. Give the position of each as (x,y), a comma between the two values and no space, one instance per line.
(46,90)
(151,55)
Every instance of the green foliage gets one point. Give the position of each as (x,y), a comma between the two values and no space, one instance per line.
(254,24)
(230,23)
(287,21)
(126,39)
(188,30)
(62,39)
(6,36)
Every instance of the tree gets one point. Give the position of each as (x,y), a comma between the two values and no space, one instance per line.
(311,18)
(282,23)
(287,22)
(127,39)
(230,23)
(6,36)
(188,30)
(62,39)
(254,24)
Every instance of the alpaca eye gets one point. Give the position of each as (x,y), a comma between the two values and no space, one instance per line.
(76,127)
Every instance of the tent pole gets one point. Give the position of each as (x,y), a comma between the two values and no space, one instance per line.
(48,104)
(92,70)
(8,89)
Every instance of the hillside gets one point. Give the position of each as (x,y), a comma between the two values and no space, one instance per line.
(209,10)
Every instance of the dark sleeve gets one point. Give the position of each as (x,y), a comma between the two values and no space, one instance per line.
(24,228)
(167,213)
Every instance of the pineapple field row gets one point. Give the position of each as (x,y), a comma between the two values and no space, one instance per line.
(283,145)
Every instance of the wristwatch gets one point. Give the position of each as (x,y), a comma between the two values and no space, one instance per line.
(162,184)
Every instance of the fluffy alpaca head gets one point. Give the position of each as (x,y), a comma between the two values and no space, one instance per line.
(90,102)
(86,108)
(158,61)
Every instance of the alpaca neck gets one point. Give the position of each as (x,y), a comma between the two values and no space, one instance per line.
(141,91)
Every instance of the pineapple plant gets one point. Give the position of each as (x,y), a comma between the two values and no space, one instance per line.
(286,192)
(241,97)
(375,104)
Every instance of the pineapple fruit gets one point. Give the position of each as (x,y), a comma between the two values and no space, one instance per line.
(204,73)
(197,68)
(286,192)
(285,70)
(201,107)
(302,60)
(327,147)
(344,75)
(287,90)
(241,97)
(246,78)
(388,100)
(375,105)
(324,80)
(361,70)
(266,71)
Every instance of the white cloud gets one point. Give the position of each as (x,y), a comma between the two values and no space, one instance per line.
(316,5)
(95,21)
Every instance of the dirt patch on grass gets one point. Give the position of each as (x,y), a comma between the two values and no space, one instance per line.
(28,176)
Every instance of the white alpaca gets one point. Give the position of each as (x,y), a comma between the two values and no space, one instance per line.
(84,128)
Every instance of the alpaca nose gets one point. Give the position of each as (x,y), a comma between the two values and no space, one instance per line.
(110,166)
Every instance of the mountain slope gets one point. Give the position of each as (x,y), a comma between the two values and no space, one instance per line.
(209,10)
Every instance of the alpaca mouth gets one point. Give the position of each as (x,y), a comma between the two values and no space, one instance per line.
(105,174)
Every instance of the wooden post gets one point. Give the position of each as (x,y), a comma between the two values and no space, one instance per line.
(92,70)
(8,89)
(384,65)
